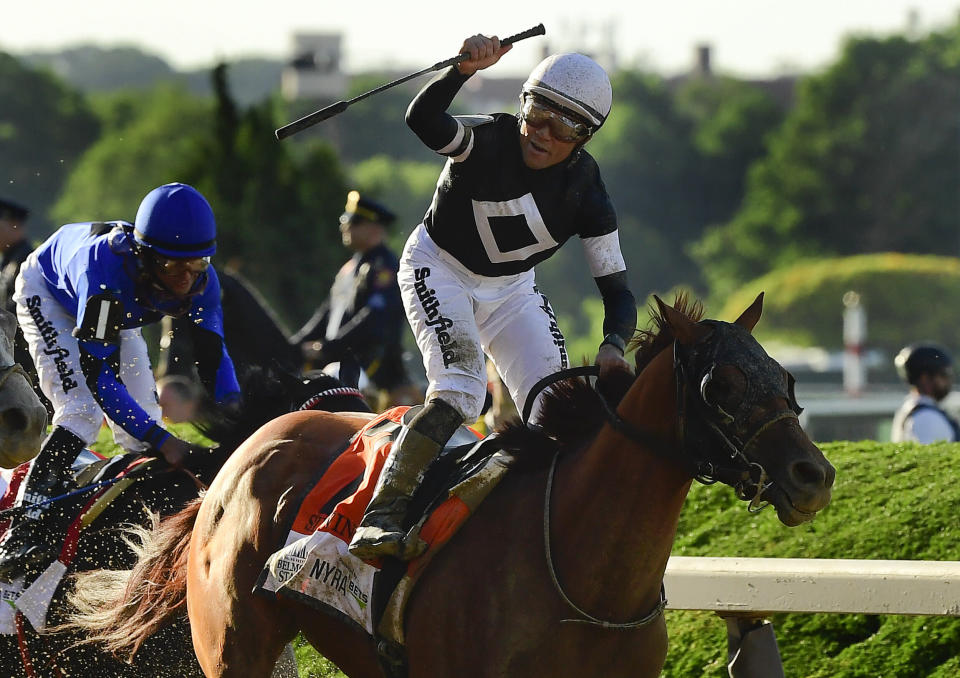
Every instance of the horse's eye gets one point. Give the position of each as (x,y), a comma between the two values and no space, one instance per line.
(726,388)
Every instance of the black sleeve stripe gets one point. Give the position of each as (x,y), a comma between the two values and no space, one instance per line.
(102,319)
(462,143)
(92,367)
(156,436)
(456,141)
(463,152)
(619,305)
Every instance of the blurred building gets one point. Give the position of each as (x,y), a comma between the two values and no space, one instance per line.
(314,71)
(781,88)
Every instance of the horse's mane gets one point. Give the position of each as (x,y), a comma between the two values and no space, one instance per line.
(649,342)
(571,413)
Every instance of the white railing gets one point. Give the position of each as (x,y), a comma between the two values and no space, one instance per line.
(742,585)
(744,590)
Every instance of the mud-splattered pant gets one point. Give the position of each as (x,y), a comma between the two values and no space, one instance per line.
(458,316)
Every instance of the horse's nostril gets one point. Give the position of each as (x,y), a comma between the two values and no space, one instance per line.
(14,419)
(806,473)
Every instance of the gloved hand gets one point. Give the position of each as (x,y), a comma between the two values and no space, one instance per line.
(610,359)
(175,451)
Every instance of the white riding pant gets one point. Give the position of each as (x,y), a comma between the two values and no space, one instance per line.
(458,316)
(47,326)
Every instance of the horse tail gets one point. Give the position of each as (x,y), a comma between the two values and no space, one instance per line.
(120,609)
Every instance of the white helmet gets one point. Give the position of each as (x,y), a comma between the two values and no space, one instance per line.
(575,82)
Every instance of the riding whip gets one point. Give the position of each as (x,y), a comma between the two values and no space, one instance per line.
(339,107)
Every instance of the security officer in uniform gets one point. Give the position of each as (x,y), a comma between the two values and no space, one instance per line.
(14,248)
(928,368)
(363,314)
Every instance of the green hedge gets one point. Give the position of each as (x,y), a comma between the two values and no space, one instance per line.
(907,297)
(891,501)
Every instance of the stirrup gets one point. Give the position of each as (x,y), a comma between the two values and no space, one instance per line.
(371,542)
(383,544)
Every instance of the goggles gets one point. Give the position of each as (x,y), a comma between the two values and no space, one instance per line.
(169,266)
(562,127)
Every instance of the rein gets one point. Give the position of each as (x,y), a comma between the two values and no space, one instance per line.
(631,432)
(748,479)
(17,510)
(586,618)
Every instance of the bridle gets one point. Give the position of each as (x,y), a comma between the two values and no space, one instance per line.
(723,435)
(714,442)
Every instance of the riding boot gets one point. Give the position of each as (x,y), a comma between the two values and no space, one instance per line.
(36,534)
(382,531)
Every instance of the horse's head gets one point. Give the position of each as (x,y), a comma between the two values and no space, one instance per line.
(738,417)
(23,418)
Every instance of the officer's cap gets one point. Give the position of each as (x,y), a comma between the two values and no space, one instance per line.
(12,210)
(359,208)
(921,358)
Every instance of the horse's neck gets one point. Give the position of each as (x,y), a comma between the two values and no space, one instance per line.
(616,504)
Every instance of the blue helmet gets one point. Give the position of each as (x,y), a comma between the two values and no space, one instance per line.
(174,220)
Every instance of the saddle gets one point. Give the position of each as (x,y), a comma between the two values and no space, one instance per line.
(314,566)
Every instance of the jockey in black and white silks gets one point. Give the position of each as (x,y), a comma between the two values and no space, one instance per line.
(513,190)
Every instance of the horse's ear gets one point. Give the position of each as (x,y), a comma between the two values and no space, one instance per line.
(685,330)
(748,319)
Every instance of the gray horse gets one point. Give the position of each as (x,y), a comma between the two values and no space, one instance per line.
(23,418)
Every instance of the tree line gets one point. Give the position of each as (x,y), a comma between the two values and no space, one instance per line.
(714,180)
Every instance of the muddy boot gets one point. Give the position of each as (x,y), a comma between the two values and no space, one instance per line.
(35,536)
(382,531)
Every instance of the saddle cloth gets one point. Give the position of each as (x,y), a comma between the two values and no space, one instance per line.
(314,566)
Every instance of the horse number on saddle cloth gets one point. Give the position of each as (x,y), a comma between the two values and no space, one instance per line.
(314,565)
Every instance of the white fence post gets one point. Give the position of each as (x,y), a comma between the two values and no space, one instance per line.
(854,335)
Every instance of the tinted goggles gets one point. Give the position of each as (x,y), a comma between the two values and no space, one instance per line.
(180,266)
(562,127)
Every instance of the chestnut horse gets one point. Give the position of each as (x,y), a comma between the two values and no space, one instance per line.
(559,572)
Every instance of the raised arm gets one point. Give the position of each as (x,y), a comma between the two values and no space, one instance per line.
(427,114)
